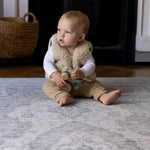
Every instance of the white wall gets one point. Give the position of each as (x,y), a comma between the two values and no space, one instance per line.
(143,26)
(15,8)
(23,7)
(9,8)
(142,53)
(146,18)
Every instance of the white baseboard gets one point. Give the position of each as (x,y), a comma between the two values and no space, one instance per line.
(142,56)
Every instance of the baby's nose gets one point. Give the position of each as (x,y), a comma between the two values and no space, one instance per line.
(62,34)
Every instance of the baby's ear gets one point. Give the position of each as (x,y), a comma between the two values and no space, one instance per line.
(82,37)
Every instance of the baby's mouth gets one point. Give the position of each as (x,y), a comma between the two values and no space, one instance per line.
(61,40)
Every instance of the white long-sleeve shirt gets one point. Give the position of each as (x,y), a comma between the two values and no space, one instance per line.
(49,61)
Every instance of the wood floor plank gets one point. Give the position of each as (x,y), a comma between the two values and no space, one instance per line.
(102,71)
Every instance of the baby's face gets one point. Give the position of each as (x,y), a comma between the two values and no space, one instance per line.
(68,33)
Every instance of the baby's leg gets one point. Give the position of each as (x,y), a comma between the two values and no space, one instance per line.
(99,93)
(51,90)
(109,98)
(66,100)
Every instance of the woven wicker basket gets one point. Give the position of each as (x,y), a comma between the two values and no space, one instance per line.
(18,38)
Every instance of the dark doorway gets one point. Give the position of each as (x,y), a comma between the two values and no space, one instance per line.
(112,30)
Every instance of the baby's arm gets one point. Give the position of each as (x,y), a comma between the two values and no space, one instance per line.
(86,70)
(50,69)
(58,79)
(89,66)
(48,62)
(77,73)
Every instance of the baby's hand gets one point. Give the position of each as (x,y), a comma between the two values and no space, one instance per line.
(58,80)
(76,74)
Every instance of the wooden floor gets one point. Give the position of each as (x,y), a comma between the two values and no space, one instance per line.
(102,71)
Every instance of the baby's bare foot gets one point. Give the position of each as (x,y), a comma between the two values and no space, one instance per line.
(110,97)
(66,100)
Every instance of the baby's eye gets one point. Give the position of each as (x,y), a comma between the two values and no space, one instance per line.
(68,32)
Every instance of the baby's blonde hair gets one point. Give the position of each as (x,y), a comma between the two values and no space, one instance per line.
(81,18)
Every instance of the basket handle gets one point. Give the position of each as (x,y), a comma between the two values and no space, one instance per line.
(30,14)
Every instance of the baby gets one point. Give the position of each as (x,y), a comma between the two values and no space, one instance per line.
(69,49)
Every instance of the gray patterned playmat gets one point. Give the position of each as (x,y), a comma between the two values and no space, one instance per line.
(30,121)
